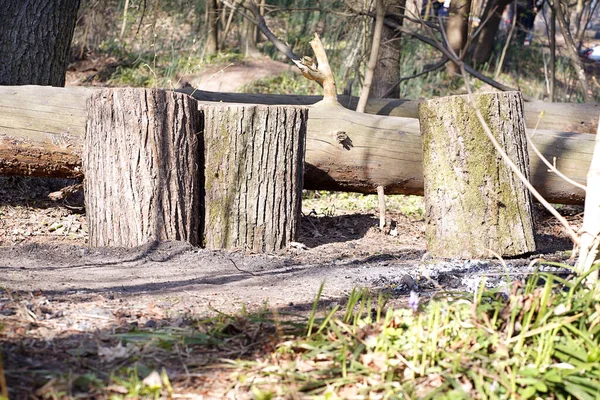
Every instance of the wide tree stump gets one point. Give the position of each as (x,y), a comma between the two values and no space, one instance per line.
(141,164)
(473,201)
(254,161)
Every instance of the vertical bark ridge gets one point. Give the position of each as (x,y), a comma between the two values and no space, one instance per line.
(141,162)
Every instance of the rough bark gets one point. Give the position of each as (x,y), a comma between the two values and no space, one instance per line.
(36,38)
(473,201)
(39,123)
(254,161)
(457,29)
(140,159)
(485,40)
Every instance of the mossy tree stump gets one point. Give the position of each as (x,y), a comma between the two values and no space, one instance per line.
(473,201)
(141,164)
(254,162)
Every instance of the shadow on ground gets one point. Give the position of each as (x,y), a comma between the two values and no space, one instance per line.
(316,231)
(50,351)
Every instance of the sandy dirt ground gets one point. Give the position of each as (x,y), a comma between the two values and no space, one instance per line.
(43,250)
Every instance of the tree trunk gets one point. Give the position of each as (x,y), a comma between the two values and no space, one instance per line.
(373,56)
(485,40)
(36,38)
(248,39)
(41,134)
(457,29)
(140,159)
(254,162)
(473,201)
(387,71)
(588,95)
(211,46)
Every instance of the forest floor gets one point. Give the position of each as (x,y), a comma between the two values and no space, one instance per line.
(63,305)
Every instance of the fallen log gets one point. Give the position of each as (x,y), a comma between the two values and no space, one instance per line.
(566,117)
(41,129)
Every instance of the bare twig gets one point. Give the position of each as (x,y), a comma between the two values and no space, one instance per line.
(406,78)
(454,58)
(125,9)
(258,19)
(318,71)
(506,44)
(550,166)
(241,270)
(229,19)
(572,51)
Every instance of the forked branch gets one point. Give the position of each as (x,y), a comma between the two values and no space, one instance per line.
(318,71)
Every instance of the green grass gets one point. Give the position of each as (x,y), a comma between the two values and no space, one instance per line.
(331,203)
(285,83)
(540,342)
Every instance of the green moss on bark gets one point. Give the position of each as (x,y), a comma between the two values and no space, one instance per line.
(473,202)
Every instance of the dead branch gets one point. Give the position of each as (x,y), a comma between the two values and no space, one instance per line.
(455,59)
(424,72)
(319,71)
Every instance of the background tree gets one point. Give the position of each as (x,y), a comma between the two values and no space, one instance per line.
(557,7)
(248,39)
(387,71)
(46,27)
(457,29)
(211,46)
(491,18)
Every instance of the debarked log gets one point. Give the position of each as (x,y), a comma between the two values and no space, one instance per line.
(567,117)
(41,131)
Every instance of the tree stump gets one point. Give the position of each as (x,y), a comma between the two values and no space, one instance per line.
(473,201)
(141,164)
(254,162)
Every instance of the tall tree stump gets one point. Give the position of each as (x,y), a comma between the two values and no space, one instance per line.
(473,201)
(141,163)
(254,161)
